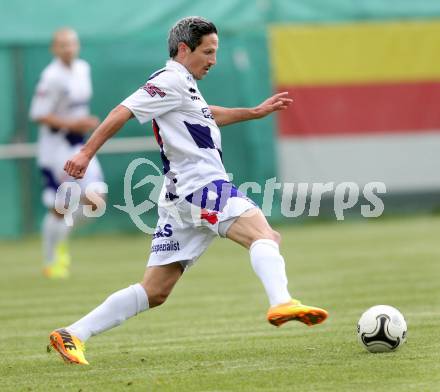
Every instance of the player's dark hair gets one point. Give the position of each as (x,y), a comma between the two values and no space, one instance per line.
(189,30)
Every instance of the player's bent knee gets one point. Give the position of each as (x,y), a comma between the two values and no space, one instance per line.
(276,237)
(57,214)
(268,235)
(93,203)
(157,299)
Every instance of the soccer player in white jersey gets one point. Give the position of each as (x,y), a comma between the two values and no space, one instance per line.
(197,202)
(61,108)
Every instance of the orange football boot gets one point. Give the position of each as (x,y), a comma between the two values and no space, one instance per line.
(68,346)
(295,310)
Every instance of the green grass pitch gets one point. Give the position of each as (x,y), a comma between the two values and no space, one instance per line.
(211,335)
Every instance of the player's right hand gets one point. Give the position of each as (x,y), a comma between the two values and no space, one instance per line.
(84,124)
(77,165)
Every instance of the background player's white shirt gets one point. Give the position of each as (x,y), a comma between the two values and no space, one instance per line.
(65,92)
(185,129)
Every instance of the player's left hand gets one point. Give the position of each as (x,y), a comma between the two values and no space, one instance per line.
(276,102)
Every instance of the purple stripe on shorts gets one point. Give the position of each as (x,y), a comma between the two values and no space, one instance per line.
(223,190)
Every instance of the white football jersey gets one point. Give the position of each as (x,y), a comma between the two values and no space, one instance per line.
(187,134)
(65,92)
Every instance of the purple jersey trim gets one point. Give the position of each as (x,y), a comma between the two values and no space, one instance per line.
(201,135)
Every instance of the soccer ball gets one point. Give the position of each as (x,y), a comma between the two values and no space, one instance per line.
(381,328)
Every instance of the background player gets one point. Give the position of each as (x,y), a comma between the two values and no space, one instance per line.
(197,202)
(61,108)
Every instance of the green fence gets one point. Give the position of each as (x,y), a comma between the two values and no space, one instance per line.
(125,42)
(119,68)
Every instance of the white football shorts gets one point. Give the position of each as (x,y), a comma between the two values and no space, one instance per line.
(54,175)
(186,228)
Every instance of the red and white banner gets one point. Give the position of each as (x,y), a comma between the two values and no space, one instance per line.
(366,103)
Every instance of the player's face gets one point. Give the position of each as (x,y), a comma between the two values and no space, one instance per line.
(66,46)
(203,57)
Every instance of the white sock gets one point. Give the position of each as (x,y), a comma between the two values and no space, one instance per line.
(54,231)
(117,308)
(78,217)
(269,266)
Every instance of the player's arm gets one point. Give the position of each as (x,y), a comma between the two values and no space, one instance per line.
(47,94)
(81,125)
(226,116)
(77,165)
